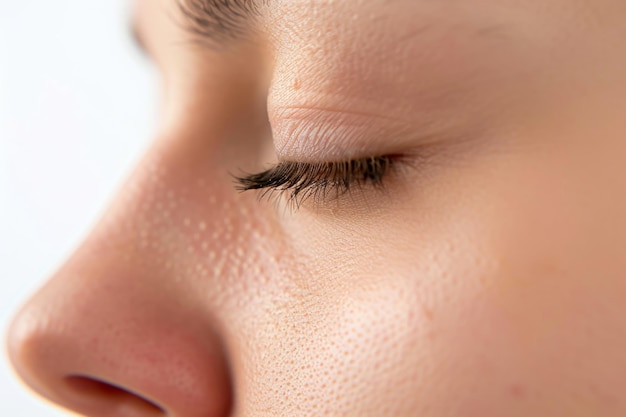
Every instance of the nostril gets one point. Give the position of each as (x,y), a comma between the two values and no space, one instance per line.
(99,391)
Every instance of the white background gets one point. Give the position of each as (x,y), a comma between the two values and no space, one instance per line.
(77,108)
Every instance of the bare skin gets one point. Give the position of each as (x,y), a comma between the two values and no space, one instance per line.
(486,279)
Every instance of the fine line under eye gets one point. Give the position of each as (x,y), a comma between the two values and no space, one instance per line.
(303,180)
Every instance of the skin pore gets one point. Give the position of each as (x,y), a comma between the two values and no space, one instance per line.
(484,278)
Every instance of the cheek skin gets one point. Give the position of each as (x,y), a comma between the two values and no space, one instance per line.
(549,311)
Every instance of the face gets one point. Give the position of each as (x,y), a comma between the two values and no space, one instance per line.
(438,227)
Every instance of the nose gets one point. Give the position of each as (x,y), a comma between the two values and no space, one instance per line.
(104,349)
(110,335)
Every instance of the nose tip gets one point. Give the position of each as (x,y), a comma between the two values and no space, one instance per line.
(109,363)
(36,361)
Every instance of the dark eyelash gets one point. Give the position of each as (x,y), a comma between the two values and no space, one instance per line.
(303,180)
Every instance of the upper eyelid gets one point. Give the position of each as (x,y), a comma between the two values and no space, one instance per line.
(219,20)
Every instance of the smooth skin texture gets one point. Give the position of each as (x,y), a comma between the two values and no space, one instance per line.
(487,279)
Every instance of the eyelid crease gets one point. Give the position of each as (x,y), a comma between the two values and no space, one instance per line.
(219,20)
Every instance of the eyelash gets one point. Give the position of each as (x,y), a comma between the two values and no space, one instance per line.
(301,181)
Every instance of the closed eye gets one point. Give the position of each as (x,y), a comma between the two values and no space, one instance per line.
(318,180)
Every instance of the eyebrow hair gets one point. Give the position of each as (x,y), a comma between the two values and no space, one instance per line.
(219,20)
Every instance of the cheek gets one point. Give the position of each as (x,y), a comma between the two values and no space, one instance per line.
(532,286)
(338,351)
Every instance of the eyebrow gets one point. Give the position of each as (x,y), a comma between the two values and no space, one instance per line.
(211,21)
(219,20)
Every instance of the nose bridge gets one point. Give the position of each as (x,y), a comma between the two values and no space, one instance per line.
(127,326)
